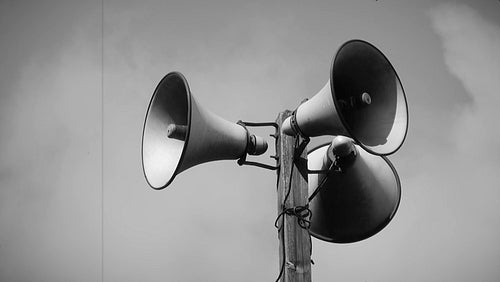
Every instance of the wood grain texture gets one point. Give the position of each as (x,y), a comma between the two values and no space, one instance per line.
(296,242)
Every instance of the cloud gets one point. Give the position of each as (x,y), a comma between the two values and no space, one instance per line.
(458,195)
(471,54)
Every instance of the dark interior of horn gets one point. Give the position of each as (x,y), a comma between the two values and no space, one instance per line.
(170,105)
(355,204)
(379,127)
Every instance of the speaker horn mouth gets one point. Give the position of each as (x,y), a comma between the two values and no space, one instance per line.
(369,97)
(166,130)
(356,204)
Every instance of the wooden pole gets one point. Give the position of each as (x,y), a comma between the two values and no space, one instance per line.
(294,239)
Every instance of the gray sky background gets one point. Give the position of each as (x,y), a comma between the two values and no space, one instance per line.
(61,159)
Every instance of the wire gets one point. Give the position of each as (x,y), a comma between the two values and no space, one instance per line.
(333,167)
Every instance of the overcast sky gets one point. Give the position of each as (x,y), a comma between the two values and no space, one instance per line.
(76,78)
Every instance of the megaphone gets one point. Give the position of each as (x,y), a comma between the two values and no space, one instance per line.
(357,199)
(179,134)
(363,99)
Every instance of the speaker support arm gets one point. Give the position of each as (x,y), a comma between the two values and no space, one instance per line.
(242,160)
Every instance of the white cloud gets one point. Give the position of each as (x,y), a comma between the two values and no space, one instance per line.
(458,195)
(471,50)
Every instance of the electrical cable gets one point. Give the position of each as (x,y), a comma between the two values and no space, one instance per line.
(333,167)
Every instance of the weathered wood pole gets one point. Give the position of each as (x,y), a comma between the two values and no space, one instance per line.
(293,238)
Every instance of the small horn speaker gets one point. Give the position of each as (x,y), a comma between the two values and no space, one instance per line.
(354,201)
(363,99)
(179,134)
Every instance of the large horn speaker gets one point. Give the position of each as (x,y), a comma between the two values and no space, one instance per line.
(354,201)
(179,134)
(363,99)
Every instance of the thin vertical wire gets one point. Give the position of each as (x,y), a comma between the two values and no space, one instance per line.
(102,140)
